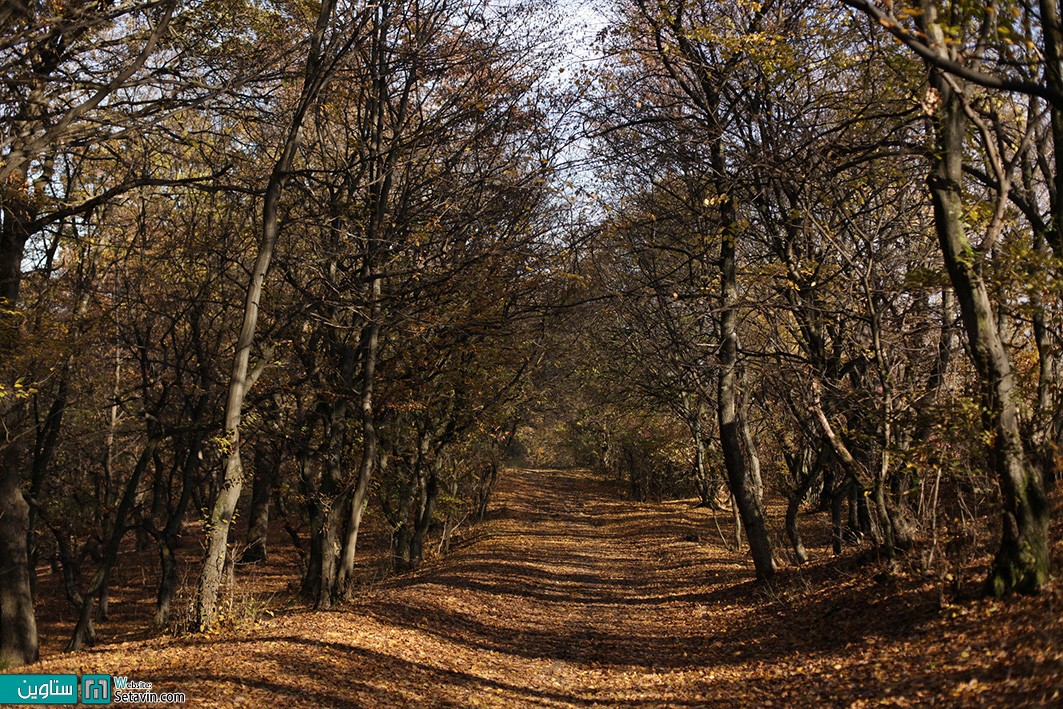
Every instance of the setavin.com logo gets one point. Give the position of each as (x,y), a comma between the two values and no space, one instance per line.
(90,689)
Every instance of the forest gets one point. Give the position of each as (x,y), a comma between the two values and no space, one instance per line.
(335,327)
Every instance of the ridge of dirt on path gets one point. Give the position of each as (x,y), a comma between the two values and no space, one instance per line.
(569,596)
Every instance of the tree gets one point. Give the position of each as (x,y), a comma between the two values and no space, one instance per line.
(690,68)
(324,50)
(953,41)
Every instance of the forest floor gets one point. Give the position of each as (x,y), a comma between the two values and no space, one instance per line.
(568,595)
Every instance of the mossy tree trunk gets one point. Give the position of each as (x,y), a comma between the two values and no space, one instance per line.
(1021,562)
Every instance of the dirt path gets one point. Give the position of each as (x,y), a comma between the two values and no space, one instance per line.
(568,596)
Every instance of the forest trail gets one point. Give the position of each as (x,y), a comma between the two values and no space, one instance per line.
(568,595)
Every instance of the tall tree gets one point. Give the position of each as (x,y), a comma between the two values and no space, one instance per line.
(326,46)
(957,40)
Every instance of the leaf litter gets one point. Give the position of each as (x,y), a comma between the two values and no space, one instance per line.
(609,603)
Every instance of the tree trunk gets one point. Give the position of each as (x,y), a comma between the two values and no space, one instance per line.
(738,523)
(707,99)
(18,625)
(1052,36)
(424,520)
(381,175)
(266,472)
(359,497)
(329,555)
(837,530)
(751,446)
(803,471)
(266,465)
(701,467)
(826,493)
(312,574)
(742,486)
(167,583)
(793,506)
(332,501)
(854,493)
(70,568)
(44,450)
(325,507)
(167,539)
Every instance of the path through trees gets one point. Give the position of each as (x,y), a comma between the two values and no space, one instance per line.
(568,595)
